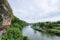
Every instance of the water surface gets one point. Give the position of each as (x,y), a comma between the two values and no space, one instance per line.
(35,35)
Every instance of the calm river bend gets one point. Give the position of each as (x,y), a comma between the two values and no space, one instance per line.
(35,35)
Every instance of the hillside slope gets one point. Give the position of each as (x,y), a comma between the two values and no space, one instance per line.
(14,29)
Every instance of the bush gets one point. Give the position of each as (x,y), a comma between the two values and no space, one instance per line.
(25,38)
(18,23)
(13,34)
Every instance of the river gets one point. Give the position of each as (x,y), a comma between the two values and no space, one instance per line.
(35,35)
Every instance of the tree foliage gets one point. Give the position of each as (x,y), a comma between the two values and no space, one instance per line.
(13,34)
(14,31)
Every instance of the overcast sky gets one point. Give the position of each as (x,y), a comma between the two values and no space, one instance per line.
(36,10)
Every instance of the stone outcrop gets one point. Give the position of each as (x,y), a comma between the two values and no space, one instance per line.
(6,13)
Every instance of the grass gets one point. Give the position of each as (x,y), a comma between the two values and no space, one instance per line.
(54,31)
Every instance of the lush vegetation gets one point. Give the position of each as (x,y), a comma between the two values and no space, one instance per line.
(17,23)
(14,31)
(12,34)
(2,1)
(51,27)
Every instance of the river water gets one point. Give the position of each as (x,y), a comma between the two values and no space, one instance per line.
(35,35)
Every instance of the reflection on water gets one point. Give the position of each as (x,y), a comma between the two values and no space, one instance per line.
(35,35)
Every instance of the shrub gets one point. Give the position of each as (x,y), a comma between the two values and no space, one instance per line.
(13,34)
(25,38)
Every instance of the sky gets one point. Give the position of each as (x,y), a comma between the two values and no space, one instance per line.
(36,10)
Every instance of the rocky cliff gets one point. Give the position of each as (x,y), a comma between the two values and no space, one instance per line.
(6,13)
(14,31)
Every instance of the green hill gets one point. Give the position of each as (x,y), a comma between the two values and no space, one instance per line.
(14,31)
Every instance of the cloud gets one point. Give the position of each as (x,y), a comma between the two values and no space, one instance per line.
(48,5)
(36,10)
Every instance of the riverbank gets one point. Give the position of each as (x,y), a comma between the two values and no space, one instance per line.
(54,31)
(48,30)
(49,27)
(37,35)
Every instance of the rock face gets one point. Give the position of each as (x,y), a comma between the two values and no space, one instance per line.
(5,12)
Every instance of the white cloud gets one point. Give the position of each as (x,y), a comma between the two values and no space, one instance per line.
(48,5)
(36,10)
